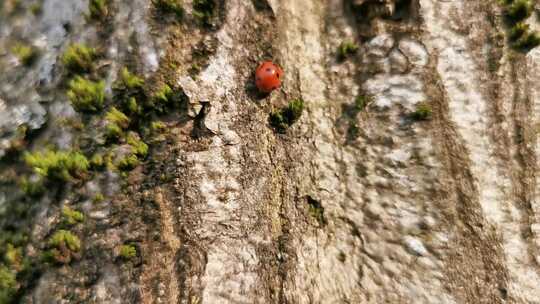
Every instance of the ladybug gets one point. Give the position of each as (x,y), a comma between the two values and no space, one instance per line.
(268,77)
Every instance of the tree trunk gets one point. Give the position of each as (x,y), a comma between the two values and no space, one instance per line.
(410,176)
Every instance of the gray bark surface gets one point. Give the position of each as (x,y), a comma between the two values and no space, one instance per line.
(348,205)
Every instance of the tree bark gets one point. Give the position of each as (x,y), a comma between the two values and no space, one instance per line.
(353,203)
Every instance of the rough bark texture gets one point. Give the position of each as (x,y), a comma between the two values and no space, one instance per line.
(350,205)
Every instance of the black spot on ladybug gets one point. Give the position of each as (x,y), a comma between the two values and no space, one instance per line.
(277,74)
(268,70)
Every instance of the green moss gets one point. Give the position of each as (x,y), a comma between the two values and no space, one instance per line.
(79,58)
(350,113)
(204,10)
(346,48)
(13,255)
(128,162)
(162,97)
(71,217)
(360,103)
(129,81)
(113,132)
(48,256)
(132,105)
(170,7)
(278,122)
(518,30)
(86,95)
(74,123)
(285,117)
(128,88)
(528,40)
(423,112)
(60,165)
(98,198)
(520,35)
(98,9)
(194,70)
(128,252)
(157,126)
(138,146)
(97,161)
(164,94)
(15,238)
(8,285)
(36,8)
(108,159)
(63,246)
(26,54)
(32,188)
(117,122)
(519,10)
(64,238)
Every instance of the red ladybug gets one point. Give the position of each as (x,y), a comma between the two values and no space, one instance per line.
(268,77)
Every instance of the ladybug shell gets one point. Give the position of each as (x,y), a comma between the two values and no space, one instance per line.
(268,77)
